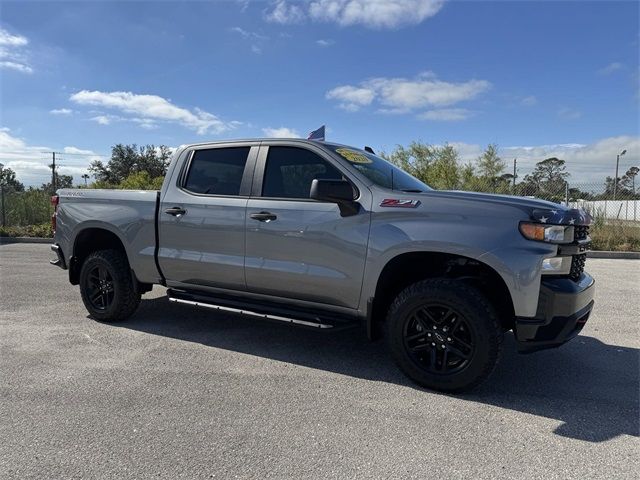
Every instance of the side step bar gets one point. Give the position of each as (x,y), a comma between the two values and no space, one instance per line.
(258,311)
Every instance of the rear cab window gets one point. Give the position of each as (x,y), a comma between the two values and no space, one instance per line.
(217,171)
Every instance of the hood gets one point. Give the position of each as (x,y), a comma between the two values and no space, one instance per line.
(538,210)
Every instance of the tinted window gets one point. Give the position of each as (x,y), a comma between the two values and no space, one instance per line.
(217,171)
(290,171)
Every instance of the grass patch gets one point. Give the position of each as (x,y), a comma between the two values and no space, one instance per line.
(40,230)
(615,235)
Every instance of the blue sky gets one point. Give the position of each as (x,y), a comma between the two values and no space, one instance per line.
(537,78)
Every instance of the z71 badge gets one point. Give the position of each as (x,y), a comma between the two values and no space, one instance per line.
(395,202)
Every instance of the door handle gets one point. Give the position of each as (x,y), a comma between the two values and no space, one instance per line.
(175,211)
(263,216)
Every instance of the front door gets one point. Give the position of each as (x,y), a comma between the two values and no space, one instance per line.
(202,219)
(297,247)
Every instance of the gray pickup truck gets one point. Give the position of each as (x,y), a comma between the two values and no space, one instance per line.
(325,236)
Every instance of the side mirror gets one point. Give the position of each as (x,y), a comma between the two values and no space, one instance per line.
(335,191)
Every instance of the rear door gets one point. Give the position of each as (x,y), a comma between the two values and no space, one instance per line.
(202,218)
(297,247)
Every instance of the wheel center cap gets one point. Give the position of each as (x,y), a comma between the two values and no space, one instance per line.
(439,337)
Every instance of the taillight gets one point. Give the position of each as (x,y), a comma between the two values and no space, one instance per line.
(55,199)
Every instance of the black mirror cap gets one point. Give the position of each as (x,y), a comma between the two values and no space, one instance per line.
(335,191)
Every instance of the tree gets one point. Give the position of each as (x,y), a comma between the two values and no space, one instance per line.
(436,166)
(85,177)
(141,181)
(8,179)
(548,180)
(62,181)
(129,159)
(628,180)
(491,171)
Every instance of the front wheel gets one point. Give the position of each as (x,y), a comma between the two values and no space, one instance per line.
(106,286)
(444,335)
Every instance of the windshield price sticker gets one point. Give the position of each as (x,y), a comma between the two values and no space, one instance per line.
(352,155)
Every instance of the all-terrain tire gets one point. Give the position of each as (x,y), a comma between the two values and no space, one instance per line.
(418,339)
(107,287)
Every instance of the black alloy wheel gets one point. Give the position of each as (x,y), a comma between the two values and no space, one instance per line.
(444,334)
(100,288)
(439,339)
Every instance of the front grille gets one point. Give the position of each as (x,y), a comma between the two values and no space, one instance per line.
(581,232)
(577,266)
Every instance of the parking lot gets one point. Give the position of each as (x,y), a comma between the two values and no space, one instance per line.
(177,392)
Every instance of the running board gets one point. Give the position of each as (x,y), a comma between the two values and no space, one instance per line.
(263,311)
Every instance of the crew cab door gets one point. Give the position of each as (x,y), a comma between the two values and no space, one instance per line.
(201,223)
(297,247)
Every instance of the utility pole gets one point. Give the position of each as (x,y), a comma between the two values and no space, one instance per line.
(515,162)
(53,173)
(615,180)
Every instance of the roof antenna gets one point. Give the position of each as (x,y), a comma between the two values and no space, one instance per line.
(369,149)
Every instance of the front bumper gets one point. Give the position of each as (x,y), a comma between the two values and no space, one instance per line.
(564,306)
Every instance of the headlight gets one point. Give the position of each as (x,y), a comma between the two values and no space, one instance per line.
(556,266)
(547,233)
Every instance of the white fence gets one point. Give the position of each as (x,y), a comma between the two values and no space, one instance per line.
(611,209)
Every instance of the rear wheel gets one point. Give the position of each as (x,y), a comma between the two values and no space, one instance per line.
(444,334)
(107,289)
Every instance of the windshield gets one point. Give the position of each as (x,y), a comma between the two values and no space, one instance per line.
(378,170)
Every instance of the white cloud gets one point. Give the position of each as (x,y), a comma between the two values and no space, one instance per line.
(374,13)
(7,38)
(104,119)
(566,113)
(151,108)
(369,13)
(587,163)
(61,111)
(12,53)
(529,101)
(285,13)
(19,67)
(256,49)
(611,68)
(78,151)
(247,34)
(351,98)
(401,95)
(324,43)
(282,132)
(446,114)
(31,163)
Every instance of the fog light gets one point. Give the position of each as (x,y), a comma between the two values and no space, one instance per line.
(553,264)
(556,266)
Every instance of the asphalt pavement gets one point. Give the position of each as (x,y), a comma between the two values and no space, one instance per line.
(178,392)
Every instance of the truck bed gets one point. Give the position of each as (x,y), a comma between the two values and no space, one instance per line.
(129,214)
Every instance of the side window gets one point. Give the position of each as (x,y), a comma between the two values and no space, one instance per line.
(217,171)
(290,171)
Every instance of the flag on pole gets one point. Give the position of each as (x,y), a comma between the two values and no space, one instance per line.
(317,134)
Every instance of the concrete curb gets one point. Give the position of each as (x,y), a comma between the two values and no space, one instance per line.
(590,254)
(620,255)
(6,240)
